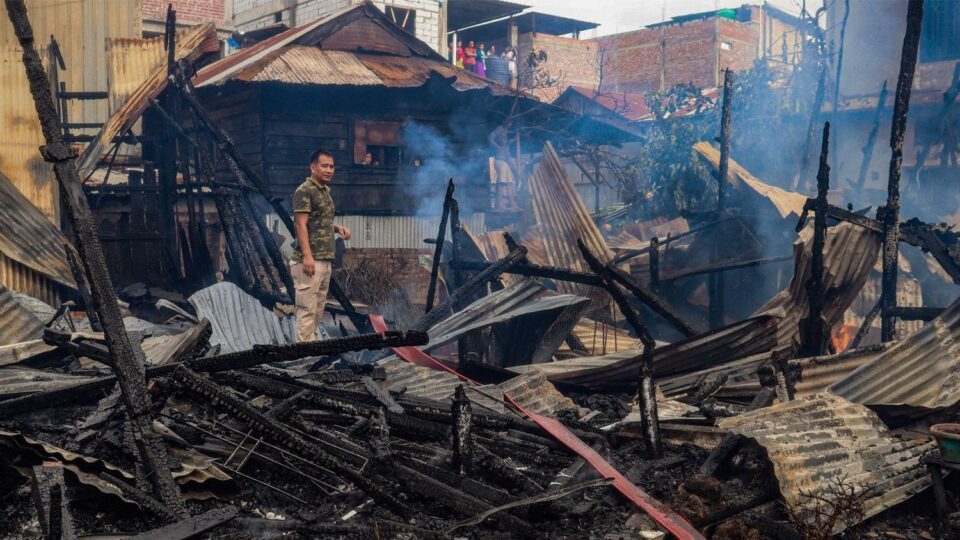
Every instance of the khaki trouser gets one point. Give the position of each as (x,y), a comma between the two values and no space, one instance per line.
(311,297)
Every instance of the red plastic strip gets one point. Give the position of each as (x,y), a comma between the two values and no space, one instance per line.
(661,513)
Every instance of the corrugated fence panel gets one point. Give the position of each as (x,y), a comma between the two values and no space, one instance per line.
(387,232)
(130,62)
(20,158)
(81,28)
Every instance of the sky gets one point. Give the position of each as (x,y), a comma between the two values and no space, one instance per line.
(617,16)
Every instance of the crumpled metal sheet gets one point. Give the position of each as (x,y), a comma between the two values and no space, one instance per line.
(197,476)
(29,238)
(919,372)
(816,373)
(745,338)
(530,307)
(848,256)
(814,440)
(238,320)
(531,390)
(17,324)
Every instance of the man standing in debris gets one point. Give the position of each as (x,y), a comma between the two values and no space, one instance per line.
(311,264)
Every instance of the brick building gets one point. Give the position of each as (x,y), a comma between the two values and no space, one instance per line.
(189,13)
(698,47)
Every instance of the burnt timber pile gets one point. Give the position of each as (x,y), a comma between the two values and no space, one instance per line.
(556,384)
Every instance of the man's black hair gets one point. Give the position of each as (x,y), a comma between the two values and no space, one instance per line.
(315,156)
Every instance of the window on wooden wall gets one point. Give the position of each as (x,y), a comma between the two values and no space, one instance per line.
(404,18)
(381,140)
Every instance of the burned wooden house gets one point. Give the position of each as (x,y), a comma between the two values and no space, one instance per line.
(399,119)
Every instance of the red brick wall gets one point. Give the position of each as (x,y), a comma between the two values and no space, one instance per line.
(689,54)
(569,61)
(188,11)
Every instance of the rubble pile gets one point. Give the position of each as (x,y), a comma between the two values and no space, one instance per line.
(714,376)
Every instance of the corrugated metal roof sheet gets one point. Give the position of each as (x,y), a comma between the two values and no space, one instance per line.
(360,28)
(16,380)
(815,440)
(238,321)
(784,202)
(745,338)
(130,62)
(920,371)
(531,390)
(562,219)
(525,298)
(302,64)
(17,324)
(848,256)
(29,238)
(399,232)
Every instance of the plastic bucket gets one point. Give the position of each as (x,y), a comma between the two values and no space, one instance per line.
(948,440)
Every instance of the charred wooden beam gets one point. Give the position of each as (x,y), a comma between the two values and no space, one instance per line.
(191,526)
(655,265)
(438,248)
(913,313)
(650,299)
(462,427)
(732,441)
(890,214)
(50,501)
(867,323)
(814,330)
(914,232)
(470,288)
(725,111)
(226,401)
(649,421)
(239,360)
(715,280)
(83,290)
(128,367)
(871,139)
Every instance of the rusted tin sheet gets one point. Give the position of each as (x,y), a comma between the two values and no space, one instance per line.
(361,27)
(756,193)
(301,64)
(817,439)
(920,371)
(130,62)
(29,238)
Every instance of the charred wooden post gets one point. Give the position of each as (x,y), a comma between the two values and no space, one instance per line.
(783,373)
(890,214)
(715,281)
(50,500)
(225,400)
(871,139)
(650,299)
(867,323)
(127,368)
(83,290)
(725,112)
(438,249)
(462,427)
(655,265)
(167,159)
(379,434)
(814,330)
(649,421)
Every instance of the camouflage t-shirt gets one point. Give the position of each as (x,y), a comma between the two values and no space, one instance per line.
(314,198)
